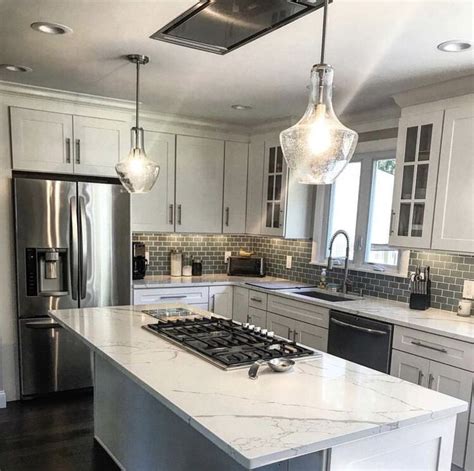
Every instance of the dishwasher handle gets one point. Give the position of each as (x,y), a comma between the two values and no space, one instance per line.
(358,327)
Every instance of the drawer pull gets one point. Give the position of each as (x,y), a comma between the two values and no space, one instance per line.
(420,344)
(420,377)
(182,296)
(257,300)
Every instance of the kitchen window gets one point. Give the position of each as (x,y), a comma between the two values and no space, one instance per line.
(360,202)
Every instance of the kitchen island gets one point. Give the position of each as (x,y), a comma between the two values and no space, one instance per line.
(159,407)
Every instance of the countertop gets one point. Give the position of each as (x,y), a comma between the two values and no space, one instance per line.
(435,321)
(319,404)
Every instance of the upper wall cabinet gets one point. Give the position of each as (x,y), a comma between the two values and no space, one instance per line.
(453,227)
(199,184)
(43,141)
(235,184)
(418,147)
(155,211)
(99,144)
(287,206)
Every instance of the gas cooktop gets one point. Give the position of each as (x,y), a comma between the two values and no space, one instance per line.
(226,343)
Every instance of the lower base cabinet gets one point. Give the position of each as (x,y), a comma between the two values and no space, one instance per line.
(220,300)
(439,377)
(469,464)
(240,309)
(311,335)
(257,317)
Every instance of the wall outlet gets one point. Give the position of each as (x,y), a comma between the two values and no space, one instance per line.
(289,260)
(468,290)
(227,255)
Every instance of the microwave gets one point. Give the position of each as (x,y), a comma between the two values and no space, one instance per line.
(246,266)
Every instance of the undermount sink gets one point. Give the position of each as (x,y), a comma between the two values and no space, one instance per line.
(324,296)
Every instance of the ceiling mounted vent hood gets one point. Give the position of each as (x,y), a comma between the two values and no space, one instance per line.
(220,26)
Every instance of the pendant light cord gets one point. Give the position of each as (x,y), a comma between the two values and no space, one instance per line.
(323,41)
(137,95)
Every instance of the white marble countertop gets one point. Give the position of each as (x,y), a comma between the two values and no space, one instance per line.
(319,404)
(432,320)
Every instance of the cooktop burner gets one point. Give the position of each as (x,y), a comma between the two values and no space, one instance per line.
(226,343)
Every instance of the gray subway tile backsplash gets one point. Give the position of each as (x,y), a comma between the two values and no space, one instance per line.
(448,270)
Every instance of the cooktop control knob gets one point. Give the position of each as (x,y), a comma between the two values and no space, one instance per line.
(257,330)
(246,325)
(270,334)
(264,331)
(251,327)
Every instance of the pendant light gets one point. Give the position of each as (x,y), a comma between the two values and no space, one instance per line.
(137,172)
(319,146)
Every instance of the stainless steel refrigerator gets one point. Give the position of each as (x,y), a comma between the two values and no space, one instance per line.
(72,250)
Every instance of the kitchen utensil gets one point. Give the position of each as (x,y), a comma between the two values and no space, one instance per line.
(197,266)
(279,365)
(464,307)
(176,262)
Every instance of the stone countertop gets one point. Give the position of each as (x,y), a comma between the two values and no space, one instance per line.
(432,320)
(319,404)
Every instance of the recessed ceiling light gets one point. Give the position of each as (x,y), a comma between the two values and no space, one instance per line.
(454,45)
(50,28)
(241,107)
(15,68)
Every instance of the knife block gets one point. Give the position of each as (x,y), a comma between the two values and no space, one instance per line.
(421,301)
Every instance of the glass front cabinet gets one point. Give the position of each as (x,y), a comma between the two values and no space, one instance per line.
(418,148)
(274,190)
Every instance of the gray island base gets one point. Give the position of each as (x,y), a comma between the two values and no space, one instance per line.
(158,407)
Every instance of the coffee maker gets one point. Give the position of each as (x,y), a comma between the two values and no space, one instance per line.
(139,260)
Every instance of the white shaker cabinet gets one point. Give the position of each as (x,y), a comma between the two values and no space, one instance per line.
(235,184)
(220,300)
(418,147)
(155,211)
(311,335)
(240,309)
(287,206)
(99,144)
(199,184)
(282,326)
(257,317)
(41,141)
(410,368)
(62,143)
(453,227)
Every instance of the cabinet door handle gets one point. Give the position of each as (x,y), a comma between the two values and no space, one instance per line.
(436,349)
(430,380)
(391,221)
(213,302)
(295,334)
(68,150)
(289,333)
(420,377)
(171,213)
(249,318)
(179,214)
(227,211)
(78,151)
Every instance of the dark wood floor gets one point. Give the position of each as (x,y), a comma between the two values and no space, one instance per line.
(51,434)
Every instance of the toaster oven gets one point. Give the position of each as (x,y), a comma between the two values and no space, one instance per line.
(246,266)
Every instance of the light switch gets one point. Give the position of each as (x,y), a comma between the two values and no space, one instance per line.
(289,260)
(468,290)
(227,254)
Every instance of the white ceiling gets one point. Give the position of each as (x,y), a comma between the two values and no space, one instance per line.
(378,48)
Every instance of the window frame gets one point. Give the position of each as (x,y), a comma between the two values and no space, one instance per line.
(321,220)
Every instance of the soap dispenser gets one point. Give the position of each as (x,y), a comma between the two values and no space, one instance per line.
(322,279)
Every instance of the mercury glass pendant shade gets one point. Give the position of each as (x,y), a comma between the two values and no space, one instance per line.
(318,146)
(137,172)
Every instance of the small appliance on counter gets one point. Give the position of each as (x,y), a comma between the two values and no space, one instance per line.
(420,287)
(197,266)
(246,266)
(176,262)
(139,260)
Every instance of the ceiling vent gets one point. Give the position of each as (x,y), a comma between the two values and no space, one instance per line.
(220,26)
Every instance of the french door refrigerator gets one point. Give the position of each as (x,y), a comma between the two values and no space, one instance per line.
(72,250)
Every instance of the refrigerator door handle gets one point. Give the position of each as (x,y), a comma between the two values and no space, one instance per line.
(83,261)
(73,242)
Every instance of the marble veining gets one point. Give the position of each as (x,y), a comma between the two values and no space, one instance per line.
(319,404)
(436,321)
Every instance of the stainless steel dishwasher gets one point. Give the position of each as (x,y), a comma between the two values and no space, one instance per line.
(363,341)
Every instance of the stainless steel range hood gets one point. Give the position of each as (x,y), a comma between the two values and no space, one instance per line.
(220,26)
